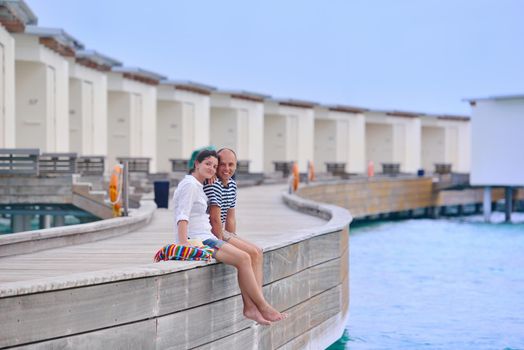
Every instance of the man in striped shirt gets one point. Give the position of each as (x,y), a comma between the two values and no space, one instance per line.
(222,197)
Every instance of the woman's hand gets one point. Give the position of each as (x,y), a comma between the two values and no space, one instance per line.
(182,233)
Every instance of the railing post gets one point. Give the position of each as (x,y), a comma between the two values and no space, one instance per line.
(125,187)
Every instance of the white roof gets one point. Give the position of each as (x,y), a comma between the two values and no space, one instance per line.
(56,33)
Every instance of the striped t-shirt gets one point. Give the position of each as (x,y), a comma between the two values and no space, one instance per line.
(224,197)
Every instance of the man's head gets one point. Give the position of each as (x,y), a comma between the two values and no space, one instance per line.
(227,163)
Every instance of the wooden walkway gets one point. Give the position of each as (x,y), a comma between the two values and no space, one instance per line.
(261,215)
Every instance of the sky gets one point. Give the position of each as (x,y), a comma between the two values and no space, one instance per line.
(410,55)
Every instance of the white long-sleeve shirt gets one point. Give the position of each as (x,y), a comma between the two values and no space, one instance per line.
(190,204)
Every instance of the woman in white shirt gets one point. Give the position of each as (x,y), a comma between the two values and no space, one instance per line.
(192,222)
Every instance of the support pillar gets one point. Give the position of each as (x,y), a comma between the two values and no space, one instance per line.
(59,220)
(20,223)
(509,203)
(487,204)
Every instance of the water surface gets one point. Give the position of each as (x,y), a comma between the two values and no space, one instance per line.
(436,284)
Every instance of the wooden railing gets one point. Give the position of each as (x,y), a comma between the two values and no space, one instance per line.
(57,164)
(178,165)
(442,168)
(336,168)
(19,161)
(284,167)
(391,168)
(136,164)
(90,165)
(242,167)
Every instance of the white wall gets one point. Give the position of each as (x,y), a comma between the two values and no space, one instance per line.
(345,137)
(297,134)
(497,143)
(243,130)
(224,129)
(43,98)
(170,133)
(7,90)
(118,125)
(403,144)
(446,141)
(141,117)
(274,141)
(412,145)
(183,124)
(433,147)
(325,143)
(87,110)
(379,144)
(357,144)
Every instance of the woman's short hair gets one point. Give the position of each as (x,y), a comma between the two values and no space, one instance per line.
(202,156)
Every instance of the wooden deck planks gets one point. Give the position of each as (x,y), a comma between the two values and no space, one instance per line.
(260,214)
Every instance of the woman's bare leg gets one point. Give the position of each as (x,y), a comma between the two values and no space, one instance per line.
(249,286)
(255,253)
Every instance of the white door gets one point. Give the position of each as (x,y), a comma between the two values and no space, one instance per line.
(136,125)
(75,116)
(51,119)
(342,142)
(88,132)
(242,147)
(3,126)
(188,136)
(452,147)
(292,142)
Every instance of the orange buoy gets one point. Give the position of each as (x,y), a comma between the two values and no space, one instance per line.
(371,169)
(296,176)
(115,189)
(311,174)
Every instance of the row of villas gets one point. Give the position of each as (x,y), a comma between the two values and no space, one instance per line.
(59,97)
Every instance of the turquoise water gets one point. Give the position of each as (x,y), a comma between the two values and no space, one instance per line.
(41,216)
(436,284)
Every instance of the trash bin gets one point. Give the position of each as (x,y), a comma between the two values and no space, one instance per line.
(161,193)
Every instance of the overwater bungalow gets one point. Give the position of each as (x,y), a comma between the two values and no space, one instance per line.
(88,102)
(14,17)
(339,139)
(237,122)
(496,126)
(393,138)
(132,114)
(42,87)
(445,140)
(183,120)
(288,133)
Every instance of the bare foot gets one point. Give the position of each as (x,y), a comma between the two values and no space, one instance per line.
(271,314)
(255,315)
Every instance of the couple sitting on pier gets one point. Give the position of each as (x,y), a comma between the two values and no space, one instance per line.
(194,223)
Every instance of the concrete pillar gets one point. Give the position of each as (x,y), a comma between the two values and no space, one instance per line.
(59,220)
(509,203)
(487,203)
(478,208)
(44,221)
(20,223)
